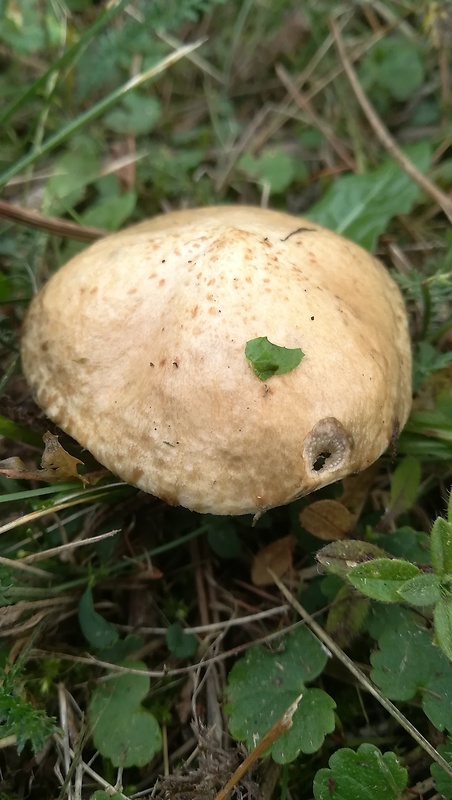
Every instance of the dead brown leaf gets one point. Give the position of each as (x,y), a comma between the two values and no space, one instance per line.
(56,465)
(327,520)
(277,555)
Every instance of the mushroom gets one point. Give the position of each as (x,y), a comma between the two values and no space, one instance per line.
(136,348)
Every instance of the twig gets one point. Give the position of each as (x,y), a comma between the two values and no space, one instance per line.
(60,227)
(382,132)
(328,642)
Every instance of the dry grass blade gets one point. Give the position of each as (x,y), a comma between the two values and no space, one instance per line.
(382,133)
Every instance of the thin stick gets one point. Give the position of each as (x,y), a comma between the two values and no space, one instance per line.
(382,132)
(361,677)
(60,227)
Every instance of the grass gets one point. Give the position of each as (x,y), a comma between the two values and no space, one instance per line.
(123,620)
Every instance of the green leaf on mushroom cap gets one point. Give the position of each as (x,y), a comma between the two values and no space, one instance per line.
(269,359)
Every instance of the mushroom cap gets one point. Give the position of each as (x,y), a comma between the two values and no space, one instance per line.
(136,348)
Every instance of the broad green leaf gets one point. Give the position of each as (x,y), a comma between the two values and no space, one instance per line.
(361,206)
(342,556)
(405,484)
(384,617)
(443,782)
(422,590)
(263,684)
(269,359)
(180,644)
(443,625)
(441,546)
(405,661)
(122,729)
(382,578)
(367,774)
(97,631)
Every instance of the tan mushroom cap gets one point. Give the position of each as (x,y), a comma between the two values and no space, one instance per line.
(136,348)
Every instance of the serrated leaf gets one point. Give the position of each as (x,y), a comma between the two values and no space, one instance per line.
(361,206)
(405,661)
(422,590)
(443,625)
(381,578)
(180,644)
(269,359)
(443,781)
(97,631)
(441,546)
(122,729)
(263,684)
(367,774)
(405,484)
(342,556)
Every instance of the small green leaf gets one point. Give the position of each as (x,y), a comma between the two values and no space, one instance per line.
(342,556)
(181,644)
(273,167)
(139,114)
(422,590)
(122,729)
(405,485)
(269,359)
(222,537)
(263,684)
(101,795)
(382,578)
(443,625)
(366,774)
(441,546)
(97,631)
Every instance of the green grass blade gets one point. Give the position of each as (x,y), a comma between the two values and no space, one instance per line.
(69,56)
(95,111)
(11,430)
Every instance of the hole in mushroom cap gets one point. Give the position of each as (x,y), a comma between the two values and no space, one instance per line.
(326,446)
(320,461)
